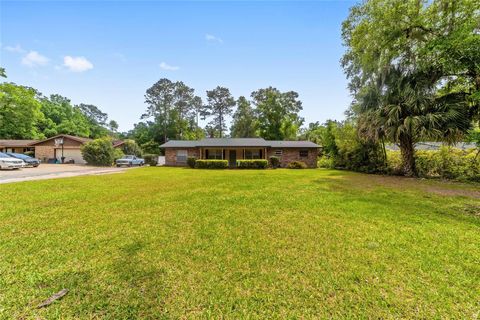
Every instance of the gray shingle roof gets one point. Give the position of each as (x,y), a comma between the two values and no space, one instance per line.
(180,144)
(238,142)
(292,144)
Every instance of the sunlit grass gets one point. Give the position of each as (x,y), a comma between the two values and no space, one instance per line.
(182,243)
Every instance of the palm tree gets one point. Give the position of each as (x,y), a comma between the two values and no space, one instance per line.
(403,107)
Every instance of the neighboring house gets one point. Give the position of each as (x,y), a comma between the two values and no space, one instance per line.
(233,149)
(51,148)
(16,146)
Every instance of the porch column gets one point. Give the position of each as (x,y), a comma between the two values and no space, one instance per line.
(200,155)
(244,154)
(265,153)
(223,150)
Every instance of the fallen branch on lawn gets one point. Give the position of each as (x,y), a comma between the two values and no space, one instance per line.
(50,300)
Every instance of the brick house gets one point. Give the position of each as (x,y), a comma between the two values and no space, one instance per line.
(52,148)
(233,149)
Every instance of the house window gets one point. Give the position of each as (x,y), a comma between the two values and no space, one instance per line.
(182,155)
(278,152)
(303,153)
(253,154)
(214,154)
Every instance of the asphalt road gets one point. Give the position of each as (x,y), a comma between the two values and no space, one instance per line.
(53,171)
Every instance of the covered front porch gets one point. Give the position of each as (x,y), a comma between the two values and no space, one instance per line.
(233,154)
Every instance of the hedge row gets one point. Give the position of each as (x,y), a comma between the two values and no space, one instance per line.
(252,164)
(211,164)
(446,163)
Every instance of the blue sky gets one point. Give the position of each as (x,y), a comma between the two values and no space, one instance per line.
(108,53)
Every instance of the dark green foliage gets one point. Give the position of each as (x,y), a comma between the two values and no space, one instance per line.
(99,152)
(19,112)
(297,165)
(244,120)
(252,164)
(274,162)
(151,159)
(277,113)
(131,147)
(220,104)
(118,154)
(211,164)
(191,162)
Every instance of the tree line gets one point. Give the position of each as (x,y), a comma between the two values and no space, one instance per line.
(174,111)
(25,113)
(414,72)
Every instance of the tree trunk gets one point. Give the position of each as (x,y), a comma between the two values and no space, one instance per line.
(407,151)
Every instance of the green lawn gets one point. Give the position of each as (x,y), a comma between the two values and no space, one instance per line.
(181,243)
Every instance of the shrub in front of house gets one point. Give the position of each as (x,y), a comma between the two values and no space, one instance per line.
(211,164)
(191,162)
(297,165)
(151,159)
(99,152)
(274,162)
(252,164)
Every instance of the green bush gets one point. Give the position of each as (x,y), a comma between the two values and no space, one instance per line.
(326,162)
(99,152)
(446,163)
(252,164)
(191,162)
(118,154)
(151,159)
(297,165)
(274,162)
(211,164)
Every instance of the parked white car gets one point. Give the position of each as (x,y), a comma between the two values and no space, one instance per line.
(7,162)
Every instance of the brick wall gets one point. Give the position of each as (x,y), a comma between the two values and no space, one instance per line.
(171,155)
(293,154)
(44,152)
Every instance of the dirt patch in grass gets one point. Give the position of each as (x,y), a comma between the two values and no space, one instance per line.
(443,188)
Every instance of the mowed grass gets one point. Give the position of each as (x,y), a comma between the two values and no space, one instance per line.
(161,243)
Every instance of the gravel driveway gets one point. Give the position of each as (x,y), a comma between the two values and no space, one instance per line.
(52,171)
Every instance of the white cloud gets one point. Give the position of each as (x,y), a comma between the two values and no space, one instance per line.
(212,38)
(77,64)
(166,66)
(16,49)
(33,59)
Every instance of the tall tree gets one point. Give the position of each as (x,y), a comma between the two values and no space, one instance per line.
(278,113)
(244,120)
(172,105)
(96,118)
(19,112)
(3,74)
(220,104)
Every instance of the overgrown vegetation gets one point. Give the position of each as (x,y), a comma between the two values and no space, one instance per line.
(26,114)
(99,152)
(446,163)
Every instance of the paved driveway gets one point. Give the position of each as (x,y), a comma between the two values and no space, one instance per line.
(52,171)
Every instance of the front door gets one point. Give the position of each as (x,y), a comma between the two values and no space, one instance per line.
(232,158)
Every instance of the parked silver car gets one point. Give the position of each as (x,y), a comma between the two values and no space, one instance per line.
(7,162)
(130,161)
